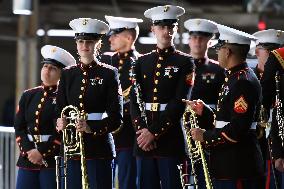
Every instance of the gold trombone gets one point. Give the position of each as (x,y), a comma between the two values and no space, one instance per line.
(73,145)
(195,150)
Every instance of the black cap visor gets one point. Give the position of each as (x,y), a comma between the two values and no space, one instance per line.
(53,62)
(165,22)
(201,33)
(88,36)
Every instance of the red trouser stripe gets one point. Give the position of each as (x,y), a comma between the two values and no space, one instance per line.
(267,183)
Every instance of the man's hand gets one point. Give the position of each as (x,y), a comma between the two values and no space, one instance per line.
(82,126)
(197,134)
(35,157)
(196,105)
(145,139)
(61,124)
(279,164)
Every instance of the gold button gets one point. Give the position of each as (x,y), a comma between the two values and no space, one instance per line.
(80,96)
(226,79)
(125,54)
(50,88)
(166,50)
(82,88)
(49,151)
(168,123)
(158,74)
(95,133)
(161,58)
(44,154)
(155,90)
(125,110)
(83,81)
(37,121)
(45,93)
(84,73)
(156,81)
(138,127)
(170,76)
(101,131)
(53,146)
(163,128)
(119,67)
(81,104)
(159,65)
(39,106)
(120,61)
(42,99)
(37,112)
(156,135)
(35,129)
(144,76)
(155,98)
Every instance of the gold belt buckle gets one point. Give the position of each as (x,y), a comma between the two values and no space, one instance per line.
(155,107)
(37,138)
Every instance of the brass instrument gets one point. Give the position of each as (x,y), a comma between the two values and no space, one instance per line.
(195,150)
(279,107)
(73,145)
(263,122)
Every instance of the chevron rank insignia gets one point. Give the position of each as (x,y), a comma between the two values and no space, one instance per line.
(240,105)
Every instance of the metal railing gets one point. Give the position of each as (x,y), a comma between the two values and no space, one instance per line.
(8,152)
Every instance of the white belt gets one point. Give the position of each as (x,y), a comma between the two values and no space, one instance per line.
(95,116)
(221,124)
(270,116)
(154,107)
(40,138)
(212,105)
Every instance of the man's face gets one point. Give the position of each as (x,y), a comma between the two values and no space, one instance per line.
(119,41)
(262,54)
(223,52)
(164,34)
(198,43)
(50,74)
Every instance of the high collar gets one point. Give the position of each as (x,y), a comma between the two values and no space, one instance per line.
(126,54)
(199,61)
(49,88)
(165,51)
(88,66)
(236,69)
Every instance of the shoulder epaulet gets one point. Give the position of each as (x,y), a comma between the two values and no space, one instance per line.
(182,53)
(109,53)
(213,61)
(106,66)
(279,54)
(34,88)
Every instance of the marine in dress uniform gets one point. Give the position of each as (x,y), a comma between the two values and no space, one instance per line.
(267,40)
(93,87)
(122,36)
(163,78)
(274,64)
(209,76)
(236,160)
(34,124)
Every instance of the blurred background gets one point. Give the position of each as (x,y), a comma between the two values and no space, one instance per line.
(27,25)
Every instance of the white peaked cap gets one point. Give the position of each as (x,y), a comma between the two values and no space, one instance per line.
(164,12)
(52,53)
(201,25)
(231,35)
(269,36)
(89,25)
(122,22)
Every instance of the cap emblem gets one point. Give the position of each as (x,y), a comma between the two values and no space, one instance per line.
(53,50)
(166,8)
(85,22)
(278,34)
(198,22)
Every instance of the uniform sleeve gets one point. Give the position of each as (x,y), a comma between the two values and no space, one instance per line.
(137,121)
(61,100)
(175,107)
(244,99)
(20,126)
(113,108)
(268,82)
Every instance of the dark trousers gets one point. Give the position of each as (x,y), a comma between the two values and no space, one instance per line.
(156,173)
(236,184)
(98,170)
(126,164)
(36,179)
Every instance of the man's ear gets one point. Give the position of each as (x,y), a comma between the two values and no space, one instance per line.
(152,29)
